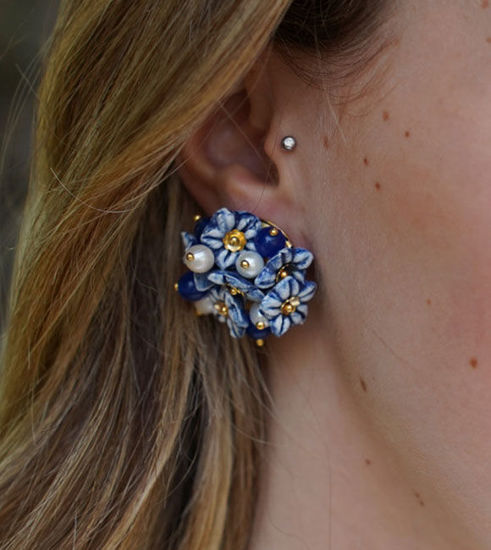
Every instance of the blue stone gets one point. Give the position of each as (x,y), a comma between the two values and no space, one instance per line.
(187,289)
(268,245)
(257,334)
(200,225)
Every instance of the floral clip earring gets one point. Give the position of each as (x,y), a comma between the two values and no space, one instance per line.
(245,272)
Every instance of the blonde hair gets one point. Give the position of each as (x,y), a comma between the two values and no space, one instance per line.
(125,422)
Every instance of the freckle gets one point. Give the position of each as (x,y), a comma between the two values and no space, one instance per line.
(368,461)
(418,496)
(363,384)
(365,161)
(484,4)
(488,39)
(428,301)
(407,133)
(473,362)
(385,115)
(326,142)
(377,186)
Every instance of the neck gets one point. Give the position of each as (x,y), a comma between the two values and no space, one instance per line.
(328,478)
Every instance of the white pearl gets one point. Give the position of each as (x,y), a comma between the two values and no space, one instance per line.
(255,316)
(204,306)
(255,261)
(203,258)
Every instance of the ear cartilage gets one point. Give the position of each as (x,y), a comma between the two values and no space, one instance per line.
(288,143)
(247,273)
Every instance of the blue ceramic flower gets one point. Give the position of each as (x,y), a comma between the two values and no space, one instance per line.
(285,304)
(294,262)
(229,232)
(188,240)
(235,281)
(230,309)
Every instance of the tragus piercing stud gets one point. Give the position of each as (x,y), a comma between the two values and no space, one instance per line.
(247,273)
(288,143)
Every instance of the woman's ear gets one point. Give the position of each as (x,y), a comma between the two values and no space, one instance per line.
(231,160)
(223,163)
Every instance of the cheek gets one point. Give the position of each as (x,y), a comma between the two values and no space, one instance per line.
(401,221)
(438,201)
(406,269)
(402,227)
(400,202)
(435,159)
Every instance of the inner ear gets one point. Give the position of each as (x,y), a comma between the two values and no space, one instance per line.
(233,140)
(224,162)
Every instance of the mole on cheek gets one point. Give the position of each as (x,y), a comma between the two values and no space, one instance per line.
(368,461)
(488,39)
(473,362)
(385,115)
(377,186)
(407,133)
(325,141)
(363,384)
(420,500)
(428,301)
(484,4)
(365,161)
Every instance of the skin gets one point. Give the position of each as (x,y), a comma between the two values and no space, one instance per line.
(379,433)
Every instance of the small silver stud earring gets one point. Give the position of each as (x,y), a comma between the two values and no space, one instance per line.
(288,143)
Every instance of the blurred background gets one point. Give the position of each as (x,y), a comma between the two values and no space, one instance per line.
(25,26)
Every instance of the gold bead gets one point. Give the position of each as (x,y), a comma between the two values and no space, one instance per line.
(234,240)
(221,308)
(176,286)
(196,217)
(234,291)
(244,264)
(273,232)
(283,272)
(290,305)
(260,325)
(189,256)
(288,244)
(259,342)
